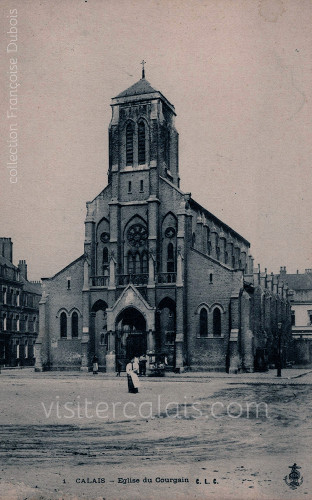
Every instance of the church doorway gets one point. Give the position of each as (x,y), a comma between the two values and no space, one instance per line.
(131,337)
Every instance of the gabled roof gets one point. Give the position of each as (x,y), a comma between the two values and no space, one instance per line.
(298,281)
(130,289)
(138,88)
(6,262)
(28,286)
(66,267)
(31,287)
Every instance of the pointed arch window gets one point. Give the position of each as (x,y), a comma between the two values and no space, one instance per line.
(141,144)
(193,240)
(203,323)
(105,256)
(144,263)
(137,264)
(74,325)
(208,241)
(170,258)
(167,146)
(217,322)
(130,263)
(129,144)
(63,325)
(217,247)
(217,242)
(105,261)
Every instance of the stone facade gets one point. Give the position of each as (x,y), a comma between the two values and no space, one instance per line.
(19,310)
(160,274)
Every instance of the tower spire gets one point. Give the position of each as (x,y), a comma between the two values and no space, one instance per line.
(143,70)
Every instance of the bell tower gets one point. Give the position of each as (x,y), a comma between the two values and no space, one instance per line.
(143,143)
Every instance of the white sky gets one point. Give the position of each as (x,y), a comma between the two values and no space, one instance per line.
(239,74)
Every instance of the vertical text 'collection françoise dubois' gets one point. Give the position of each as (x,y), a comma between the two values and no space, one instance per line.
(13,85)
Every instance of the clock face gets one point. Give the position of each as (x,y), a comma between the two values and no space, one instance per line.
(137,235)
(170,232)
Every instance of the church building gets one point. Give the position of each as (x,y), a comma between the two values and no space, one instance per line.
(160,275)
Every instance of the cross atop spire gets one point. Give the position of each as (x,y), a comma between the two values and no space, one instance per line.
(143,70)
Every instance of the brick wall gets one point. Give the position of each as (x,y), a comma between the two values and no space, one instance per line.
(208,353)
(65,353)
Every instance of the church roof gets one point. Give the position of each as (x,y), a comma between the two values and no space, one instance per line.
(66,267)
(138,88)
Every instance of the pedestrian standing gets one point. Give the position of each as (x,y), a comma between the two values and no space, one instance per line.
(142,365)
(95,365)
(133,379)
(119,367)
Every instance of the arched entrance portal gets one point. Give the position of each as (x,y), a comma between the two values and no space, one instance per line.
(130,335)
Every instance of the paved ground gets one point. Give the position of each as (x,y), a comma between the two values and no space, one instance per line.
(63,434)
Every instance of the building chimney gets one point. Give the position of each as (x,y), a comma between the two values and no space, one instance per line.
(23,268)
(283,271)
(308,271)
(6,248)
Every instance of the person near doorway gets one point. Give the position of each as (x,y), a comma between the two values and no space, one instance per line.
(119,367)
(132,369)
(95,365)
(142,365)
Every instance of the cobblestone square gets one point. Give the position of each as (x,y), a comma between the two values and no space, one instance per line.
(67,435)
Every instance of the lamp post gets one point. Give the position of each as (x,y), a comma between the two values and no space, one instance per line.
(279,348)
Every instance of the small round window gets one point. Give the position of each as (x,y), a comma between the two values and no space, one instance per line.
(104,237)
(170,232)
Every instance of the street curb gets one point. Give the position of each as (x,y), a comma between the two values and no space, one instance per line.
(301,374)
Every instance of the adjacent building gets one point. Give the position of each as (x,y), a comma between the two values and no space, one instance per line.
(159,273)
(19,310)
(301,314)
